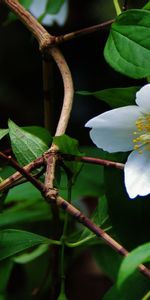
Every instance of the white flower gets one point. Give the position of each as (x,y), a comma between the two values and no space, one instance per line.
(125,129)
(37,8)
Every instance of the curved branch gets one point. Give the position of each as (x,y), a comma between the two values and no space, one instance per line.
(45,40)
(68,90)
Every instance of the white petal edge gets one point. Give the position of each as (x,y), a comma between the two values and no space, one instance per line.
(137,173)
(143,98)
(113,130)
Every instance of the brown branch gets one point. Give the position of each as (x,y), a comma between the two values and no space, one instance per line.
(7,183)
(10,181)
(93,160)
(81,32)
(22,171)
(80,217)
(45,40)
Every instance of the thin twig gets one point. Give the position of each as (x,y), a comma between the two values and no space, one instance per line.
(93,160)
(78,33)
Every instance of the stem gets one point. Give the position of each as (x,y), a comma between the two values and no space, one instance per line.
(63,241)
(117,7)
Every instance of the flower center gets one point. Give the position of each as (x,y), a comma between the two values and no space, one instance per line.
(143,133)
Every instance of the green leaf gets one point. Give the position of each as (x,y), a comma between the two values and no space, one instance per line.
(25,145)
(14,241)
(68,145)
(130,263)
(53,6)
(3,132)
(40,132)
(128,46)
(115,97)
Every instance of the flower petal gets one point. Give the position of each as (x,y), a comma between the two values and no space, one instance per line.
(143,98)
(137,173)
(113,130)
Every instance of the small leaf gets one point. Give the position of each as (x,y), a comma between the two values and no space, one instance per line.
(130,263)
(53,6)
(115,97)
(13,241)
(128,46)
(25,146)
(68,145)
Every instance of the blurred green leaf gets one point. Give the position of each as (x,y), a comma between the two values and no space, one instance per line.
(135,290)
(25,213)
(27,257)
(23,192)
(5,271)
(12,17)
(13,241)
(25,145)
(130,263)
(3,132)
(125,50)
(53,6)
(115,97)
(147,6)
(62,296)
